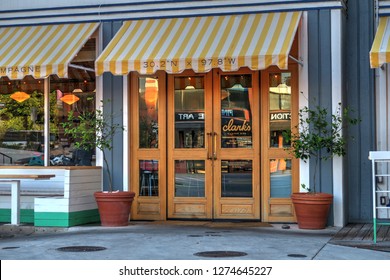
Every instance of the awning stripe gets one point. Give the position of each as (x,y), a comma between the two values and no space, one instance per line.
(200,43)
(42,50)
(380,50)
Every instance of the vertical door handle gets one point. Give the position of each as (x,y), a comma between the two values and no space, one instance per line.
(209,145)
(215,146)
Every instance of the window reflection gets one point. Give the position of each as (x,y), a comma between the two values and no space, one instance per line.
(148,113)
(236,114)
(279,107)
(280,170)
(22,119)
(189,112)
(236,178)
(189,178)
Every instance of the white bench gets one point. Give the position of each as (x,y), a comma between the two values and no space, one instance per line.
(14,181)
(64,201)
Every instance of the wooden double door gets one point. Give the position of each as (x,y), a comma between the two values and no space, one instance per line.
(199,157)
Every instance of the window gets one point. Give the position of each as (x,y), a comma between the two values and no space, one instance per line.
(22,114)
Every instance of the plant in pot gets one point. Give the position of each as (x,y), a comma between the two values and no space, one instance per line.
(92,130)
(317,138)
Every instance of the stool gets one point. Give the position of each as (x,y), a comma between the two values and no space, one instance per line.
(146,182)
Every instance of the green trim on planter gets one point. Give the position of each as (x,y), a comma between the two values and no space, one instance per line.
(62,219)
(26,216)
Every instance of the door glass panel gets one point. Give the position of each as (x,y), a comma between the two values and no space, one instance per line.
(148,181)
(280,170)
(189,112)
(148,113)
(189,178)
(236,116)
(236,178)
(279,107)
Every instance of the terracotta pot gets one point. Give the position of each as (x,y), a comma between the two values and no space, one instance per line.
(312,209)
(114,207)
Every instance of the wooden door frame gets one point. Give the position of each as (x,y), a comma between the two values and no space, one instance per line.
(237,207)
(277,209)
(188,207)
(147,207)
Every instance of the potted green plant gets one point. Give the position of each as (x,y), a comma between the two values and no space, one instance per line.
(318,138)
(92,130)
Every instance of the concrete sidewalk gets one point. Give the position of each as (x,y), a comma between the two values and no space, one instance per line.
(177,241)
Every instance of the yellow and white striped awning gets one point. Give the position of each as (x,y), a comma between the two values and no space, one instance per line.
(201,43)
(42,50)
(380,50)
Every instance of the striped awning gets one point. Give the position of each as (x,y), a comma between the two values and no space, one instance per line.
(42,50)
(380,50)
(200,43)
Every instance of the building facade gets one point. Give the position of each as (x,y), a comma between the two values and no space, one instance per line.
(205,90)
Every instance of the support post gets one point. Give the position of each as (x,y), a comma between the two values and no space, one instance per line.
(15,202)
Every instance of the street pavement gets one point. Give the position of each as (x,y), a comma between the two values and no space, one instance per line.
(177,240)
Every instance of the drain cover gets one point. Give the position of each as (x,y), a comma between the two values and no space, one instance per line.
(81,249)
(296,256)
(220,254)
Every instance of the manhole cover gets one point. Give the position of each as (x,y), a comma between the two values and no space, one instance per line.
(81,249)
(195,235)
(296,256)
(9,248)
(220,254)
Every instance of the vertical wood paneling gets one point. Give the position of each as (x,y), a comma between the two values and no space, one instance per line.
(112,90)
(359,95)
(320,85)
(320,81)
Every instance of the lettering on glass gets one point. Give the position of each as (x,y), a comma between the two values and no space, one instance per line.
(233,127)
(280,116)
(189,116)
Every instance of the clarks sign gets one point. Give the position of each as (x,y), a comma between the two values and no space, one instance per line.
(235,127)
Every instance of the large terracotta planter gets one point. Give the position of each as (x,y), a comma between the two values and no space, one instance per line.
(312,209)
(114,207)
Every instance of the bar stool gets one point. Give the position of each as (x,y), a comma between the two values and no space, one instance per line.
(146,182)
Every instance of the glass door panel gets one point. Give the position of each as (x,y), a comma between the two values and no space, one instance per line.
(236,115)
(236,178)
(189,178)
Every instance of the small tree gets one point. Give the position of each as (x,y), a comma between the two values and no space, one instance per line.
(317,137)
(93,130)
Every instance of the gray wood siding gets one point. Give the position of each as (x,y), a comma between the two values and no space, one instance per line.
(113,89)
(360,96)
(320,86)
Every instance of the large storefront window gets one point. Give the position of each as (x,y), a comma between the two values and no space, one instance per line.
(22,114)
(21,122)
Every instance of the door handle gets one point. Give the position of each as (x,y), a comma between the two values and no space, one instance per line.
(210,145)
(214,146)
